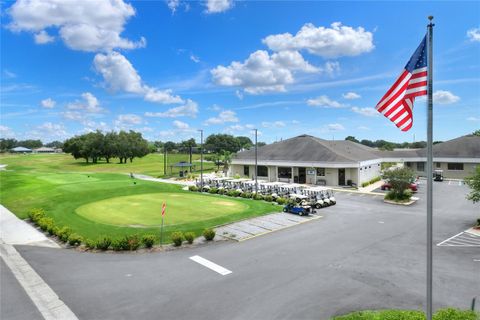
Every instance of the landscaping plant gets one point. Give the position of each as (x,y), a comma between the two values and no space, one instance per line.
(148,240)
(189,236)
(177,238)
(400,180)
(209,234)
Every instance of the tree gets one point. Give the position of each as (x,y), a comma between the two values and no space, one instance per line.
(352,138)
(222,142)
(110,147)
(474,183)
(367,143)
(7,144)
(476,132)
(75,146)
(261,144)
(31,144)
(169,145)
(245,142)
(226,159)
(400,180)
(54,144)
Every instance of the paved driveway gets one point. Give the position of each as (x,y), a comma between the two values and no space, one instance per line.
(363,254)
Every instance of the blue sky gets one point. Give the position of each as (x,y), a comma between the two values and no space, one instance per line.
(169,68)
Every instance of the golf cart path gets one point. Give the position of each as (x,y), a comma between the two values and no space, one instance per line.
(15,231)
(149,178)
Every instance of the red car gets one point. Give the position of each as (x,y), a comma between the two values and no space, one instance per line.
(387,186)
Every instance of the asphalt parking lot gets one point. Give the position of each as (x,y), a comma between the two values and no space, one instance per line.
(363,254)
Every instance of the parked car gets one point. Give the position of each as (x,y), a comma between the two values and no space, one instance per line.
(297,209)
(387,186)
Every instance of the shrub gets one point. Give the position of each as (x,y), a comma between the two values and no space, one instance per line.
(74,239)
(45,223)
(404,196)
(231,193)
(189,236)
(133,242)
(52,229)
(192,188)
(237,176)
(148,240)
(177,238)
(258,197)
(364,184)
(209,234)
(455,314)
(281,200)
(90,244)
(213,190)
(103,243)
(64,233)
(36,214)
(268,198)
(117,244)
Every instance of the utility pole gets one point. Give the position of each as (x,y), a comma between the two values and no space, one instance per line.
(256,162)
(201,159)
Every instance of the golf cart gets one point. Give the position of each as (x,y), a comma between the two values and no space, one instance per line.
(297,209)
(438,175)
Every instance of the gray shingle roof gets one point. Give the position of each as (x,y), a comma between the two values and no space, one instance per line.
(311,149)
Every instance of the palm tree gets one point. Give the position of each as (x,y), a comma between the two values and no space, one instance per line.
(227,159)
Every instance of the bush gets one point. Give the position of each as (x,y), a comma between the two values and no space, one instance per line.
(103,243)
(281,200)
(133,242)
(90,244)
(258,197)
(237,176)
(442,314)
(52,229)
(45,223)
(192,188)
(74,239)
(118,244)
(364,184)
(36,214)
(64,233)
(209,234)
(455,314)
(394,196)
(148,240)
(268,198)
(213,190)
(189,236)
(177,238)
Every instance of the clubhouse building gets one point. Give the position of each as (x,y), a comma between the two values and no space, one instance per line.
(311,160)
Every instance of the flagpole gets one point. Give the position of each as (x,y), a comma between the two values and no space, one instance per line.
(429,172)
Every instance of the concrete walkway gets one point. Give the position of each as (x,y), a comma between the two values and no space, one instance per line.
(149,178)
(15,231)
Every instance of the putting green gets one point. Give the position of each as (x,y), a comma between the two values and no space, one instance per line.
(145,210)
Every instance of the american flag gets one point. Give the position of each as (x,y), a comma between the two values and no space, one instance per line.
(397,103)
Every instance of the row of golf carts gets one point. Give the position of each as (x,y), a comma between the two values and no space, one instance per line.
(301,199)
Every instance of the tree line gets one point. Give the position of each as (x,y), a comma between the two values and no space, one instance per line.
(388,145)
(96,145)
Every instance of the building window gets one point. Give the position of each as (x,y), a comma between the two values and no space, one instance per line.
(455,166)
(262,171)
(246,171)
(420,166)
(438,165)
(285,172)
(320,172)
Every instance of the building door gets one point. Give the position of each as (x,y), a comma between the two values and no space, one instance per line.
(302,175)
(341,177)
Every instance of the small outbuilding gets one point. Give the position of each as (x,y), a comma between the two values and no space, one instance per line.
(44,150)
(21,150)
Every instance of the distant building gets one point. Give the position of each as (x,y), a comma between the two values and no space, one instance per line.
(44,150)
(21,150)
(307,159)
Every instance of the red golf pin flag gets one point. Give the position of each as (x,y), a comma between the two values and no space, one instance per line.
(397,103)
(164,208)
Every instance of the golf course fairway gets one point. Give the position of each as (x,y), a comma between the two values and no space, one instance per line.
(144,210)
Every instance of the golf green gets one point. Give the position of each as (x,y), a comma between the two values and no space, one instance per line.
(144,210)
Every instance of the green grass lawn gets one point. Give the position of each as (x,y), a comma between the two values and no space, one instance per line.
(98,203)
(151,164)
(442,314)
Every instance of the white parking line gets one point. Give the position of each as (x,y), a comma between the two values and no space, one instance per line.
(449,238)
(210,265)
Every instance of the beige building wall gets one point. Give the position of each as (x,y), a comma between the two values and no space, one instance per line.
(468,169)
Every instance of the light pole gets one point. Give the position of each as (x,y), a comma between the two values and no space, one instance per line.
(201,159)
(256,162)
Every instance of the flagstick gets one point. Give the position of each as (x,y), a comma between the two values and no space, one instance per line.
(161,234)
(429,171)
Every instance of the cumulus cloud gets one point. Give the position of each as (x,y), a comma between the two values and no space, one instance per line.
(48,103)
(223,117)
(369,112)
(181,125)
(43,37)
(173,5)
(474,34)
(88,104)
(6,132)
(48,132)
(351,96)
(119,75)
(190,109)
(93,25)
(324,102)
(217,6)
(128,119)
(336,41)
(262,72)
(335,127)
(444,97)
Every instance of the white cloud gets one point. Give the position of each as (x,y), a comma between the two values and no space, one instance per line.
(444,97)
(181,125)
(173,5)
(194,58)
(190,109)
(43,37)
(82,25)
(223,117)
(262,72)
(369,112)
(128,119)
(48,132)
(6,132)
(217,6)
(351,96)
(335,127)
(119,75)
(48,103)
(91,126)
(324,102)
(89,104)
(331,42)
(473,119)
(474,34)
(275,124)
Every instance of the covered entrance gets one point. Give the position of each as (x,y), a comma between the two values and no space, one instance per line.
(302,175)
(341,177)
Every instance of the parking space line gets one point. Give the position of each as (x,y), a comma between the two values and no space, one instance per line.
(210,265)
(463,239)
(449,238)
